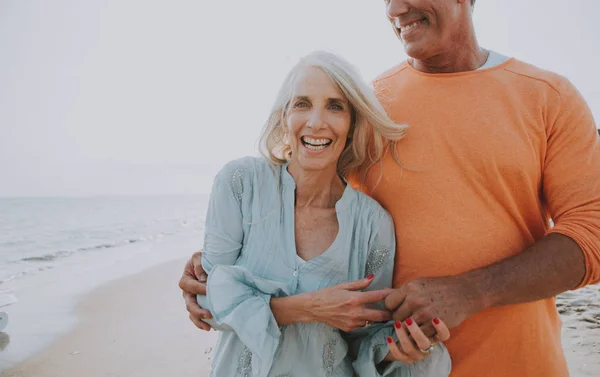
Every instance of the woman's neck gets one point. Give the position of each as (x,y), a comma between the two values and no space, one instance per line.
(316,188)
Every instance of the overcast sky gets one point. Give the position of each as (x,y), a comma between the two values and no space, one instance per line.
(142,97)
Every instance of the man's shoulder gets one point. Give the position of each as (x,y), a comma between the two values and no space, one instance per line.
(390,73)
(536,74)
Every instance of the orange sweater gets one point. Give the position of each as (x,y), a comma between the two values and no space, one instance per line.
(491,156)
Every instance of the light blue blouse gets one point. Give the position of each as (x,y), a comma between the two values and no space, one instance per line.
(250,257)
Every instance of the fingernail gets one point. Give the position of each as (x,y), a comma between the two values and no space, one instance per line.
(436,320)
(409,321)
(370,277)
(390,340)
(397,324)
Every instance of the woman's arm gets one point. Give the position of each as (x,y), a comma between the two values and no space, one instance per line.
(342,306)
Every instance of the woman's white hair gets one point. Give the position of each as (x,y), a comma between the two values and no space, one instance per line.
(371,133)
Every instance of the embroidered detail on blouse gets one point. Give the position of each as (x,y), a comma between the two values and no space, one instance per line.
(245,363)
(236,183)
(329,356)
(376,259)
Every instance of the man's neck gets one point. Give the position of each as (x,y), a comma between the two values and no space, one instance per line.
(468,57)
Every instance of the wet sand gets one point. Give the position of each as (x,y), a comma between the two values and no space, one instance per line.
(137,327)
(580,313)
(133,327)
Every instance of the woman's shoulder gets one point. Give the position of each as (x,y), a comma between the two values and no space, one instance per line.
(246,166)
(369,209)
(247,171)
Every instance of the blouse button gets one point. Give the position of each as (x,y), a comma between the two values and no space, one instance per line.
(295,273)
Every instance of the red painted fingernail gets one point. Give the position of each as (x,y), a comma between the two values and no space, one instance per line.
(397,324)
(370,276)
(409,321)
(390,340)
(436,320)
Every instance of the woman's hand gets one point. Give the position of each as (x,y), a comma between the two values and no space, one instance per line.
(412,343)
(343,307)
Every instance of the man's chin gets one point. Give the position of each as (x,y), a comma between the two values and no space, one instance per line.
(417,50)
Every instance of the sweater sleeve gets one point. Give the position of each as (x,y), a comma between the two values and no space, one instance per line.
(571,177)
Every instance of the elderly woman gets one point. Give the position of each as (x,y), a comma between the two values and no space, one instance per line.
(289,226)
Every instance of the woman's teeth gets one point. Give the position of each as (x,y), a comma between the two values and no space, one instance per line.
(315,144)
(315,148)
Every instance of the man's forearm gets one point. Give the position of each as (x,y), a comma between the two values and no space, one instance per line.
(549,267)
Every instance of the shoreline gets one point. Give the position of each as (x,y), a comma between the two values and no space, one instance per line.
(137,326)
(122,331)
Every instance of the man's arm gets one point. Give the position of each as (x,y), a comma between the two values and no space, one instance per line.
(567,257)
(551,266)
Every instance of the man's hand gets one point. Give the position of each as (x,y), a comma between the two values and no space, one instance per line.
(453,299)
(192,283)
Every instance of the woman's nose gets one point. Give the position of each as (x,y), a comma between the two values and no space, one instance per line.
(316,120)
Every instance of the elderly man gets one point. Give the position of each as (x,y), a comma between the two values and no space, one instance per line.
(496,149)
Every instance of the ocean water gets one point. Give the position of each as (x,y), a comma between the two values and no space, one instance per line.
(54,250)
(41,234)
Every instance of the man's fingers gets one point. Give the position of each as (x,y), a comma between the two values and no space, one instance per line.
(200,323)
(197,266)
(395,299)
(428,329)
(373,296)
(402,312)
(193,308)
(192,286)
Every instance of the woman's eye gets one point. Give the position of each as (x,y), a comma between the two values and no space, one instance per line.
(301,104)
(337,107)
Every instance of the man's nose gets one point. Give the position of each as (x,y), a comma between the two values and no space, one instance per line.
(396,8)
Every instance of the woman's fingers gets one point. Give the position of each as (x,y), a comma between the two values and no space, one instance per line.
(396,353)
(443,333)
(356,285)
(418,336)
(407,346)
(374,315)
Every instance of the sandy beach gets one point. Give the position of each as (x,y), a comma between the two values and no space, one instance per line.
(137,326)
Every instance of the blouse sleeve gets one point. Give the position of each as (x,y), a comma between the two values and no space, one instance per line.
(237,300)
(223,233)
(370,343)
